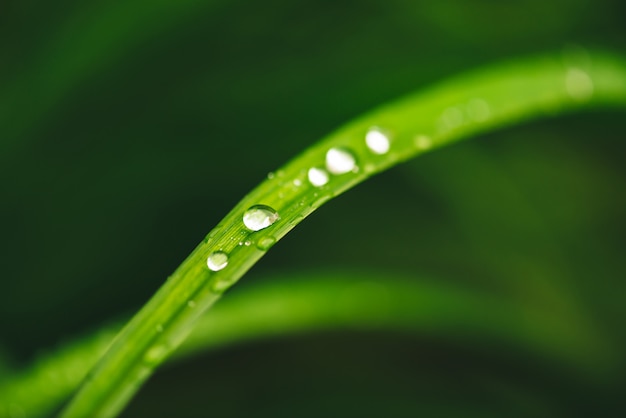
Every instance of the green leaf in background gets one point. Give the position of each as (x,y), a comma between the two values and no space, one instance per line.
(346,302)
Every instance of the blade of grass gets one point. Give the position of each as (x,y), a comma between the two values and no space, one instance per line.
(325,301)
(477,102)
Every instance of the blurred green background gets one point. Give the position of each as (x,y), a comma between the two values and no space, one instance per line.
(129,128)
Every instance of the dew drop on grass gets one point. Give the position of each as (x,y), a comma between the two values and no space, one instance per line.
(266,243)
(217,260)
(578,84)
(377,141)
(259,217)
(423,142)
(340,161)
(451,118)
(478,110)
(155,355)
(318,176)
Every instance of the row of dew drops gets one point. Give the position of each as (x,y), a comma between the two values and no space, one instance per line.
(339,160)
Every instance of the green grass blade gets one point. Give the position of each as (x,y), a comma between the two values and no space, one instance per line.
(323,301)
(479,102)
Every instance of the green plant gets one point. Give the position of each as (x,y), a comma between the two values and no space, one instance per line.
(484,279)
(475,103)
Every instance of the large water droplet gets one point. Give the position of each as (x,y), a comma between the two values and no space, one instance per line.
(377,141)
(259,217)
(318,176)
(217,260)
(578,84)
(340,161)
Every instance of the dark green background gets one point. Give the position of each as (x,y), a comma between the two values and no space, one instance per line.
(128,128)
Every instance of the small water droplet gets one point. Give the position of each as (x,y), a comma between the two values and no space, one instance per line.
(266,243)
(247,243)
(317,176)
(270,175)
(191,304)
(340,161)
(217,260)
(377,141)
(423,142)
(297,182)
(478,110)
(259,217)
(369,168)
(578,84)
(155,355)
(451,118)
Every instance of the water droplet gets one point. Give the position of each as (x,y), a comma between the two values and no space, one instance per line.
(247,243)
(340,161)
(451,118)
(155,355)
(259,217)
(266,243)
(377,141)
(318,176)
(423,142)
(478,110)
(217,260)
(297,182)
(270,175)
(578,84)
(191,304)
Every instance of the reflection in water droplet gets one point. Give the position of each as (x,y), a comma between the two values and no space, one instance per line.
(340,161)
(423,142)
(377,141)
(578,84)
(259,217)
(478,110)
(266,243)
(217,260)
(318,176)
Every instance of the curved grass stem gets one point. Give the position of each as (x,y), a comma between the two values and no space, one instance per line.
(465,106)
